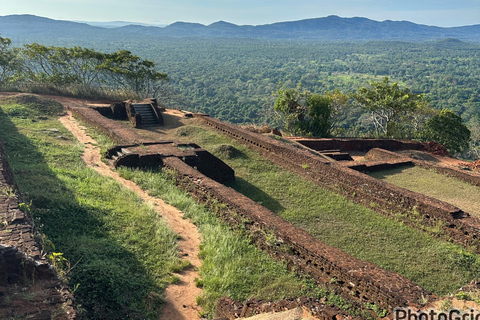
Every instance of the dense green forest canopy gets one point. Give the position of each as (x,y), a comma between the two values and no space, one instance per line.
(233,79)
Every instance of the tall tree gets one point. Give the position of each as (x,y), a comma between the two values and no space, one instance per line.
(290,108)
(306,113)
(132,72)
(388,104)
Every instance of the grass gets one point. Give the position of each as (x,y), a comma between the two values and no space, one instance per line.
(331,218)
(119,252)
(343,224)
(448,189)
(231,265)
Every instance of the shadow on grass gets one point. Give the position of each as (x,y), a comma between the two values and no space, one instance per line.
(256,194)
(109,281)
(383,174)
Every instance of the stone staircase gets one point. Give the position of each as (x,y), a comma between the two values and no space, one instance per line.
(120,153)
(149,118)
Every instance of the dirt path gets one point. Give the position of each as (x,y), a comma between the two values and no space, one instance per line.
(181,297)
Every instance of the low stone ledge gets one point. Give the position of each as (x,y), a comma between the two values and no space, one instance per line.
(359,187)
(227,308)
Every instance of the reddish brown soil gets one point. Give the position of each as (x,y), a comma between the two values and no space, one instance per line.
(472,165)
(435,148)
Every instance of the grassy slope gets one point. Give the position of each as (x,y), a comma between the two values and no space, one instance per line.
(343,224)
(232,266)
(122,252)
(451,190)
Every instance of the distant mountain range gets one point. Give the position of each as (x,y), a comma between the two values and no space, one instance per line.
(118,24)
(29,28)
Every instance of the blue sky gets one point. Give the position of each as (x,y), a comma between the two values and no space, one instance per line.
(445,13)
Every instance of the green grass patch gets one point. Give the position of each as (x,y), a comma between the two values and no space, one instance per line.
(232,266)
(122,252)
(448,189)
(343,224)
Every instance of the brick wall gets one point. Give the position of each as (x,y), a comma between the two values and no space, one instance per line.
(354,279)
(29,286)
(359,187)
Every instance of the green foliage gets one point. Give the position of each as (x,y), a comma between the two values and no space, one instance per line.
(305,113)
(319,113)
(291,109)
(133,72)
(388,104)
(9,62)
(448,129)
(85,68)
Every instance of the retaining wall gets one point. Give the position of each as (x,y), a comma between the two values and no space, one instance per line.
(230,309)
(29,286)
(359,144)
(116,131)
(356,280)
(359,187)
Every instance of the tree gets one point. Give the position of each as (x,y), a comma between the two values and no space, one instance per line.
(290,108)
(48,65)
(319,112)
(448,129)
(388,105)
(338,103)
(88,68)
(9,62)
(306,113)
(133,73)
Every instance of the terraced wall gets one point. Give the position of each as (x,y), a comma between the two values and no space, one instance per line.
(359,187)
(359,144)
(356,280)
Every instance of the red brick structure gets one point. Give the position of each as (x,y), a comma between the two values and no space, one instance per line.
(361,188)
(29,286)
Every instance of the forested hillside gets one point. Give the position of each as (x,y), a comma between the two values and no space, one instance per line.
(233,78)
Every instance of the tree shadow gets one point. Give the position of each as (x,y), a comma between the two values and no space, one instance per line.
(256,194)
(108,280)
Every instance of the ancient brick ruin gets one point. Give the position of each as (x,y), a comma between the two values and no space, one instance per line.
(230,309)
(141,114)
(29,286)
(135,151)
(356,280)
(346,179)
(329,165)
